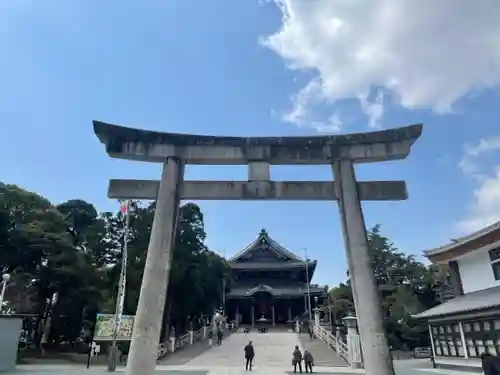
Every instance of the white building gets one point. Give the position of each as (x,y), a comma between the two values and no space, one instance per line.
(468,325)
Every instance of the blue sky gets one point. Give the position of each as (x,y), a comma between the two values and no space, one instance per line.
(230,67)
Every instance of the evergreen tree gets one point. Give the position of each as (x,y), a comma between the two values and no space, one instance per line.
(406,288)
(75,253)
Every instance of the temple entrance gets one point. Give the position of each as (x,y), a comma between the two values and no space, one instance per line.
(264,305)
(174,151)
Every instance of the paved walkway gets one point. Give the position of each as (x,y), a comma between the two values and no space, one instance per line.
(402,368)
(273,357)
(271,350)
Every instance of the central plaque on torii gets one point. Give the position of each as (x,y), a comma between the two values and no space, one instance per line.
(175,150)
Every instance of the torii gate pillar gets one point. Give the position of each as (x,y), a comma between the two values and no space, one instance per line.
(376,353)
(152,297)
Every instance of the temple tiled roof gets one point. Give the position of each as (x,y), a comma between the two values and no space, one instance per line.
(280,290)
(272,244)
(480,300)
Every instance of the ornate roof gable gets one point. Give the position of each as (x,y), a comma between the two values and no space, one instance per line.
(265,249)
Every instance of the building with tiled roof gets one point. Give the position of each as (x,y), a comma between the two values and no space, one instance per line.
(270,283)
(464,327)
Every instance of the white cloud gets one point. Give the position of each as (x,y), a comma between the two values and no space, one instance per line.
(469,163)
(425,53)
(303,114)
(485,208)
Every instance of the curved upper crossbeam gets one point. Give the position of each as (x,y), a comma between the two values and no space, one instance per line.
(144,145)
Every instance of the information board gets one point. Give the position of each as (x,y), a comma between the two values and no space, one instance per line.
(104,327)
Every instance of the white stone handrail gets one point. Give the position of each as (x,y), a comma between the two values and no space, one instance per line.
(162,351)
(338,345)
(343,350)
(182,341)
(187,339)
(198,335)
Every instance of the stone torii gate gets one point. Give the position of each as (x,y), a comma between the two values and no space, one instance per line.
(174,151)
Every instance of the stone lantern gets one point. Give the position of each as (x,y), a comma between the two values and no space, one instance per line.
(351,322)
(353,341)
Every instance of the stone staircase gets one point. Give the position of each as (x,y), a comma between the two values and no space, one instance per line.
(324,355)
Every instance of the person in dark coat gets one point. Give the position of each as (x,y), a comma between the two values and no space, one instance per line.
(311,335)
(219,337)
(308,360)
(249,355)
(297,359)
(490,364)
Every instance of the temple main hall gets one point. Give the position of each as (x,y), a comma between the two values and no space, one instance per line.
(270,284)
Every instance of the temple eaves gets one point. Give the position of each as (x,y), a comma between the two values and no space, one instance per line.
(272,265)
(144,145)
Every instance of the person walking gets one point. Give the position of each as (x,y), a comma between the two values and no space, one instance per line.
(308,361)
(311,333)
(490,364)
(219,337)
(297,359)
(249,355)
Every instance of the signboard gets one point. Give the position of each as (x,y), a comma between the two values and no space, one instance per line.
(422,352)
(105,324)
(96,349)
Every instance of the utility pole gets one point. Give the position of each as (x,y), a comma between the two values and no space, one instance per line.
(120,298)
(224,288)
(308,286)
(5,281)
(330,312)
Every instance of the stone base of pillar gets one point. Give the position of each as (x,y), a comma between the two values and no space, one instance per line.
(354,347)
(316,318)
(172,344)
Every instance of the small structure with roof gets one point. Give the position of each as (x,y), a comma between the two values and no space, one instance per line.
(464,327)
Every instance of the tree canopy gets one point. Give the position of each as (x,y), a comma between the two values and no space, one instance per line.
(74,252)
(406,287)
